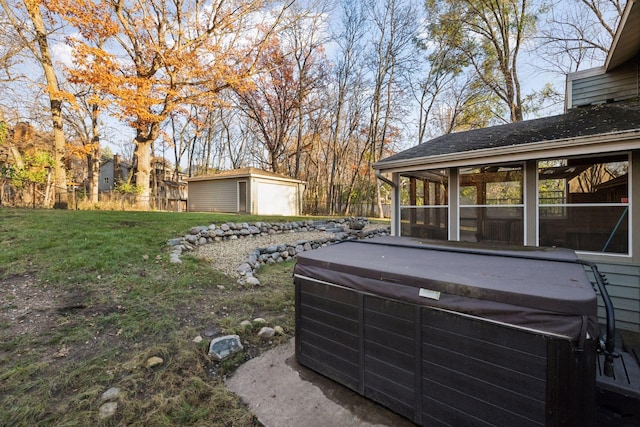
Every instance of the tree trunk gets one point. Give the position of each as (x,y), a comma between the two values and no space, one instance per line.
(93,166)
(55,99)
(93,158)
(143,171)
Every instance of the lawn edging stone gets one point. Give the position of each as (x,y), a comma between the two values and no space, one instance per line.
(337,230)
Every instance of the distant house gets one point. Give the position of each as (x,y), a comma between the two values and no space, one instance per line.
(168,193)
(571,180)
(246,190)
(112,171)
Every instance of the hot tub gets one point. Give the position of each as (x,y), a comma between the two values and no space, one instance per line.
(451,335)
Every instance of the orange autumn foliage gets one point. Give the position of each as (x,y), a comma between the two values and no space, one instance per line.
(148,59)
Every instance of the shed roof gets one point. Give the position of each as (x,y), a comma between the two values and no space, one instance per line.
(245,173)
(599,123)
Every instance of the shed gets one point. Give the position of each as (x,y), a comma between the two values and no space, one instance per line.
(246,190)
(570,180)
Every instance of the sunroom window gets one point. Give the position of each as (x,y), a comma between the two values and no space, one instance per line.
(491,204)
(583,203)
(424,206)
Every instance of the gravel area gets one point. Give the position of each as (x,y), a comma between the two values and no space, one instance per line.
(227,255)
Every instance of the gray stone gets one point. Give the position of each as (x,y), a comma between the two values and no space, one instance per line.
(202,241)
(271,249)
(191,238)
(244,225)
(225,227)
(223,347)
(253,281)
(244,268)
(211,332)
(107,410)
(278,330)
(254,229)
(264,257)
(291,251)
(356,225)
(246,324)
(112,394)
(307,246)
(232,226)
(174,242)
(233,237)
(253,258)
(259,320)
(212,226)
(175,259)
(266,332)
(299,249)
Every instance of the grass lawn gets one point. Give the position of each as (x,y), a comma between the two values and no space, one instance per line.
(86,297)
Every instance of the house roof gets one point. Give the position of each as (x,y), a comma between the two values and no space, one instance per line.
(586,130)
(574,132)
(245,173)
(626,43)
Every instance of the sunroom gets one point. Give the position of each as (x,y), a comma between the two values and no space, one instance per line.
(581,203)
(564,181)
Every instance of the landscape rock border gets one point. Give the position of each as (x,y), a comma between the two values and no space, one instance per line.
(337,230)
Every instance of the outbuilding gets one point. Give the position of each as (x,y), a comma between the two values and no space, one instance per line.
(246,190)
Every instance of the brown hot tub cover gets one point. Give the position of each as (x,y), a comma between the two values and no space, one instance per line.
(534,288)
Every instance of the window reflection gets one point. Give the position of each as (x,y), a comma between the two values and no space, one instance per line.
(584,203)
(425,205)
(491,204)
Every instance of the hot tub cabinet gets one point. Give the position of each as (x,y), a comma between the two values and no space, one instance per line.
(450,336)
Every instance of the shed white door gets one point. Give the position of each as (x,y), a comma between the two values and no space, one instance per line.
(275,199)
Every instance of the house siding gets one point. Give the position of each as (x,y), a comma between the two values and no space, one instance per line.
(624,289)
(105,179)
(213,196)
(617,85)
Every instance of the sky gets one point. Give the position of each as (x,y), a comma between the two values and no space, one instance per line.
(532,77)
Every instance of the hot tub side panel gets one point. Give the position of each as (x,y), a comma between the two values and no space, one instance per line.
(437,367)
(328,331)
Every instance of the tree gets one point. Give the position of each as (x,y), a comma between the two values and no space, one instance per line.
(161,56)
(270,104)
(346,104)
(36,40)
(579,33)
(283,95)
(83,123)
(489,35)
(395,26)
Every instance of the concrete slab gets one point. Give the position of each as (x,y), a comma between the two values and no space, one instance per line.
(281,393)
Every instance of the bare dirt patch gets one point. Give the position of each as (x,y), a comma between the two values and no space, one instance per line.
(30,307)
(26,307)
